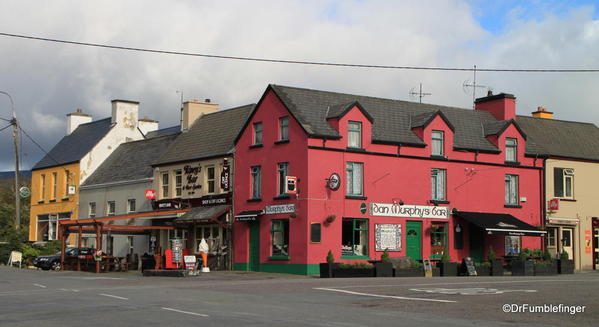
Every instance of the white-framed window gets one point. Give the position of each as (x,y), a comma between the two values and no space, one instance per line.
(282,172)
(511,189)
(355,177)
(92,210)
(131,205)
(438,185)
(257,133)
(54,185)
(256,181)
(552,237)
(42,187)
(563,183)
(178,183)
(284,128)
(110,208)
(165,184)
(214,236)
(211,179)
(511,149)
(438,141)
(354,134)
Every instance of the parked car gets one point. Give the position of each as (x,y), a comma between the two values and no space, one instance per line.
(48,262)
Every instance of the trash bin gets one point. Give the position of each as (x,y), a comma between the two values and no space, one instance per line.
(147,262)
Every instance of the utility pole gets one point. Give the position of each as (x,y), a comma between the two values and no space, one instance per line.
(15,135)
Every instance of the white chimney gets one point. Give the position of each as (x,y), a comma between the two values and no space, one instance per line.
(75,119)
(192,110)
(125,113)
(147,125)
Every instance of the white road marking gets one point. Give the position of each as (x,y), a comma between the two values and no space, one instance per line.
(40,285)
(91,278)
(384,296)
(475,282)
(76,291)
(114,296)
(186,312)
(467,291)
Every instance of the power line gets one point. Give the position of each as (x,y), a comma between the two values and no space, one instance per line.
(5,127)
(41,148)
(6,120)
(298,62)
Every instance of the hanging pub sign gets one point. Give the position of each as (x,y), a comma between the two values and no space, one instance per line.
(290,184)
(408,211)
(333,182)
(150,194)
(280,208)
(225,177)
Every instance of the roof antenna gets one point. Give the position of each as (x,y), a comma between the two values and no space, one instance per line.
(473,85)
(420,94)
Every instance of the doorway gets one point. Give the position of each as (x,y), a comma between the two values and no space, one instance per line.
(414,240)
(567,245)
(254,246)
(476,236)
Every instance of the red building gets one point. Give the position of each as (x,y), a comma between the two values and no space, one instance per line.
(372,174)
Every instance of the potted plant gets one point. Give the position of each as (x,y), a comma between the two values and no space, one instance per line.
(483,268)
(414,270)
(384,267)
(523,266)
(326,269)
(448,268)
(565,265)
(545,266)
(496,263)
(353,270)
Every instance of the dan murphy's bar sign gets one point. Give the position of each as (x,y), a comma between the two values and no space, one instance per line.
(408,211)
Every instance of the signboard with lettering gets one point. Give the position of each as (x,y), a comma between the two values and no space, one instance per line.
(290,184)
(150,194)
(554,204)
(177,247)
(278,209)
(225,176)
(388,237)
(468,263)
(190,262)
(192,178)
(408,211)
(211,200)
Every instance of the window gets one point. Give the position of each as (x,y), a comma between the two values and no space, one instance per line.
(178,183)
(284,128)
(354,236)
(551,237)
(92,210)
(165,180)
(213,235)
(110,208)
(43,187)
(54,183)
(52,227)
(279,231)
(131,205)
(438,177)
(210,179)
(257,133)
(354,133)
(511,189)
(354,178)
(438,138)
(282,172)
(67,183)
(511,150)
(563,182)
(256,181)
(438,239)
(315,232)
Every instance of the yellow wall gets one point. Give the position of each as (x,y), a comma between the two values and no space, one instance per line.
(50,203)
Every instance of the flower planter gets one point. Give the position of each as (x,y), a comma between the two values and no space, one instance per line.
(522,268)
(565,266)
(545,270)
(326,269)
(483,271)
(383,269)
(448,268)
(497,267)
(409,272)
(352,272)
(436,272)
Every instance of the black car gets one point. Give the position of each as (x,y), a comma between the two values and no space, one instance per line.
(48,262)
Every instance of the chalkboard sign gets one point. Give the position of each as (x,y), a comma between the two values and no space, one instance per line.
(428,268)
(468,263)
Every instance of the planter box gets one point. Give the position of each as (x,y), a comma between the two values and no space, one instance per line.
(352,272)
(383,269)
(497,267)
(436,271)
(565,266)
(544,270)
(448,268)
(326,270)
(483,271)
(409,272)
(523,268)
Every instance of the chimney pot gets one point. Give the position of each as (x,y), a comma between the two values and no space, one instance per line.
(489,93)
(542,113)
(207,100)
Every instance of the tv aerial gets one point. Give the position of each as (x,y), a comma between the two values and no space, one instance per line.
(472,84)
(419,94)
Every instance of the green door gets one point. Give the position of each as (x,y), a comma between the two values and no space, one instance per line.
(414,240)
(476,243)
(254,246)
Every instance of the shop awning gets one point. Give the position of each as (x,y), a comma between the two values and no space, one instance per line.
(500,223)
(203,213)
(248,215)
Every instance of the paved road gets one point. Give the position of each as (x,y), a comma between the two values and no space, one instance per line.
(46,298)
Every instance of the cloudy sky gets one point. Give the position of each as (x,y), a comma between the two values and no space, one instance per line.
(49,80)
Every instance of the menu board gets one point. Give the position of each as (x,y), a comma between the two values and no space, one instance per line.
(388,237)
(177,247)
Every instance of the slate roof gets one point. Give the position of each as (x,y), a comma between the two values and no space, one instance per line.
(130,161)
(76,145)
(211,135)
(163,132)
(392,118)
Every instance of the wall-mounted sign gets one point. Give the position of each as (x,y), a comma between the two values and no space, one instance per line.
(24,192)
(224,178)
(363,208)
(278,209)
(290,184)
(150,194)
(554,204)
(408,211)
(191,177)
(334,182)
(388,237)
(210,200)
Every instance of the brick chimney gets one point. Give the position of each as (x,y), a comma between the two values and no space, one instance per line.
(502,106)
(75,119)
(192,110)
(542,113)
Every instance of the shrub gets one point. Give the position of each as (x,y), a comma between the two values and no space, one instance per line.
(525,254)
(445,258)
(330,258)
(358,265)
(564,256)
(483,264)
(537,253)
(385,256)
(491,255)
(416,265)
(546,255)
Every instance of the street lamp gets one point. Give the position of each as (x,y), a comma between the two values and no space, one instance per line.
(15,135)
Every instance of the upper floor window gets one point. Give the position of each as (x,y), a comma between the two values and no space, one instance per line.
(256,181)
(355,174)
(438,177)
(131,205)
(54,185)
(438,140)
(257,133)
(210,173)
(178,183)
(511,149)
(354,131)
(284,128)
(563,182)
(92,210)
(110,208)
(282,171)
(43,187)
(511,189)
(165,184)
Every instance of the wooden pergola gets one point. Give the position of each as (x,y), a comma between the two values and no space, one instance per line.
(96,225)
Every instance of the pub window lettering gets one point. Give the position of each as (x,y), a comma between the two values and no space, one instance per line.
(563,182)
